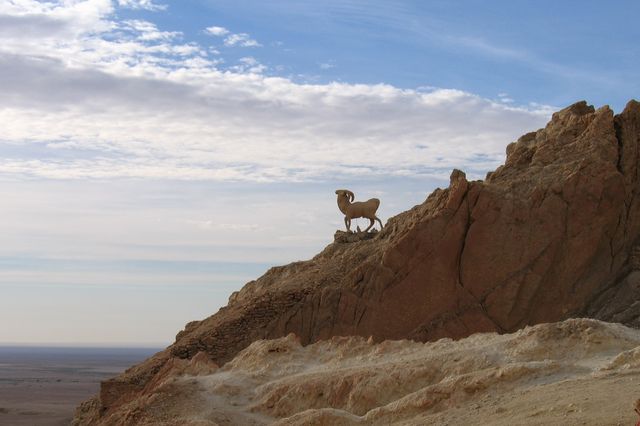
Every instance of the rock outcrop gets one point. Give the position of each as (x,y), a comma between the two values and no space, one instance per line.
(576,372)
(551,234)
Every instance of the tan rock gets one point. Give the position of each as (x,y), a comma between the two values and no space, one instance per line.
(532,376)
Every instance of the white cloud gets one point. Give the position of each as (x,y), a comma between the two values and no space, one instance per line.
(217,31)
(241,39)
(249,64)
(91,96)
(231,39)
(505,98)
(142,4)
(148,31)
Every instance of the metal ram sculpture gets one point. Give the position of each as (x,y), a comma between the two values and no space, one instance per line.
(351,210)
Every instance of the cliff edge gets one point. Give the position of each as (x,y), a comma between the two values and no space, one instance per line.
(551,234)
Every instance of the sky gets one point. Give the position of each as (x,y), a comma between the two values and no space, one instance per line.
(156,155)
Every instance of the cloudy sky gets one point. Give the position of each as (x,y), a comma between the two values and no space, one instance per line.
(156,155)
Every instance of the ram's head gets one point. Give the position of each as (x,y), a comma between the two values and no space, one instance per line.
(346,193)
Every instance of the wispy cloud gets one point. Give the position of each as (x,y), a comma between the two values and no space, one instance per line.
(142,4)
(482,46)
(327,65)
(407,22)
(232,39)
(241,39)
(147,31)
(249,64)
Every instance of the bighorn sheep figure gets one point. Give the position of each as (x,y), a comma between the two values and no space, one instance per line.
(353,210)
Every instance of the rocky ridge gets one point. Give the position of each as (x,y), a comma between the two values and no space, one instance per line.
(551,234)
(576,372)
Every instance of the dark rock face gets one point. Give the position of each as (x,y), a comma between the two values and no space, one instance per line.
(551,234)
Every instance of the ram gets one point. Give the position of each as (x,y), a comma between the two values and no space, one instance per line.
(351,210)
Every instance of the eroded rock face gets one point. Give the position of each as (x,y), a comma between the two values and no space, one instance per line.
(549,235)
(582,371)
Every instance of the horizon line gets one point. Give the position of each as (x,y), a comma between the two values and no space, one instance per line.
(85,345)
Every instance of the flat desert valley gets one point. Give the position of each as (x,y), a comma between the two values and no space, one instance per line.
(43,386)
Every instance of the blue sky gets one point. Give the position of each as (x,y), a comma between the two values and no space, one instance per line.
(156,155)
(544,52)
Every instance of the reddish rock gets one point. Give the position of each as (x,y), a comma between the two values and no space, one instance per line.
(549,235)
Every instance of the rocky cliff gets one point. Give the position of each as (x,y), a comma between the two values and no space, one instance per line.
(549,235)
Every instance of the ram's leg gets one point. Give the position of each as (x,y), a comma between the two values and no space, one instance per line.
(370,225)
(347,222)
(379,221)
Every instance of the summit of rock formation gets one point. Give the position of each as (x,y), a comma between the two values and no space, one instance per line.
(552,234)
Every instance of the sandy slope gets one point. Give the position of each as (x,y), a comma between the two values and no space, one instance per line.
(575,372)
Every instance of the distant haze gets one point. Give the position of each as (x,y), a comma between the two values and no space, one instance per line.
(155,156)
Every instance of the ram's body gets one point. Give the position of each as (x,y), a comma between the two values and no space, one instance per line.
(360,209)
(352,210)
